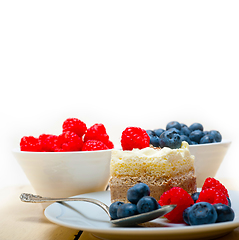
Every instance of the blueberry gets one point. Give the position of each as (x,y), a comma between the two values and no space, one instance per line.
(135,193)
(173,124)
(183,125)
(154,140)
(217,135)
(158,131)
(185,215)
(185,131)
(195,196)
(202,213)
(229,202)
(224,212)
(174,130)
(193,143)
(196,135)
(150,132)
(113,209)
(147,204)
(186,139)
(196,126)
(207,139)
(127,210)
(170,139)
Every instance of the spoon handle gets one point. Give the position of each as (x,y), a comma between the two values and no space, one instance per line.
(31,198)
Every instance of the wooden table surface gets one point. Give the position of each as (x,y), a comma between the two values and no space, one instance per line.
(26,221)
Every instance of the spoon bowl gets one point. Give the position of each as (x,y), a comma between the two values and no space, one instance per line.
(123,222)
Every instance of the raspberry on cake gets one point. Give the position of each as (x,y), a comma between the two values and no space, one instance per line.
(161,169)
(134,137)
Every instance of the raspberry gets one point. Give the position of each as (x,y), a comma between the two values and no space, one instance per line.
(74,125)
(179,196)
(49,142)
(213,196)
(97,132)
(69,141)
(30,144)
(94,145)
(109,144)
(134,137)
(213,183)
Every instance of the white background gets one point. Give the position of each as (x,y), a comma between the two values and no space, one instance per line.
(120,63)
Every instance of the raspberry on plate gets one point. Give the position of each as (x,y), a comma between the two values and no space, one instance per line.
(213,183)
(74,125)
(213,196)
(181,198)
(98,132)
(30,144)
(69,141)
(94,145)
(134,137)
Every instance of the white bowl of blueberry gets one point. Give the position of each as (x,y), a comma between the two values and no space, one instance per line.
(208,147)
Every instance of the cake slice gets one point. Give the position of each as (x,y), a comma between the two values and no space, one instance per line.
(160,169)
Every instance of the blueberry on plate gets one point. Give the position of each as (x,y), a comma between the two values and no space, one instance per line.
(147,204)
(196,126)
(127,210)
(154,140)
(139,190)
(224,212)
(229,202)
(114,208)
(195,196)
(217,135)
(158,131)
(185,215)
(202,213)
(170,139)
(207,139)
(173,124)
(196,135)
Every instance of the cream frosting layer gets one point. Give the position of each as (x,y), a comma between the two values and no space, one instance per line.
(165,162)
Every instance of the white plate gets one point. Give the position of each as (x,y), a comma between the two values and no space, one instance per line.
(91,218)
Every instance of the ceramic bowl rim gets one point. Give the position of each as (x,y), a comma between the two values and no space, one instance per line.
(224,141)
(17,150)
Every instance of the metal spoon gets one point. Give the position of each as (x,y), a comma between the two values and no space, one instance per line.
(127,221)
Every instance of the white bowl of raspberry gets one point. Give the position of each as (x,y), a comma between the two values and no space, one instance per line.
(75,162)
(65,174)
